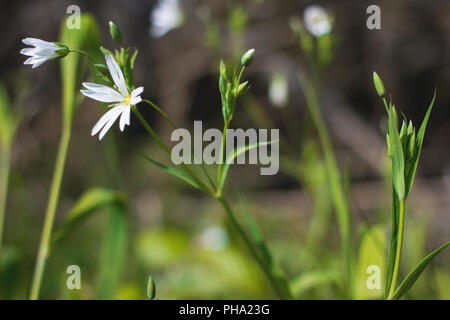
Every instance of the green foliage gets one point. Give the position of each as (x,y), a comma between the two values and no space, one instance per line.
(89,203)
(262,249)
(404,150)
(412,277)
(371,253)
(176,173)
(151,288)
(9,119)
(87,38)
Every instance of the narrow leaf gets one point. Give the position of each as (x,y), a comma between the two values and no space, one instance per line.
(263,251)
(416,272)
(89,202)
(177,173)
(419,141)
(398,165)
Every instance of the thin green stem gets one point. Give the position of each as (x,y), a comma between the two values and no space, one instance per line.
(250,246)
(167,150)
(222,156)
(4,176)
(50,213)
(162,113)
(398,250)
(83,53)
(165,116)
(337,193)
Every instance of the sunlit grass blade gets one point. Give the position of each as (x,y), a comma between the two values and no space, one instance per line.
(412,277)
(89,203)
(313,279)
(371,254)
(113,252)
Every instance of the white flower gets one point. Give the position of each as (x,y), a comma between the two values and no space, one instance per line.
(42,51)
(317,21)
(121,99)
(166,15)
(279,90)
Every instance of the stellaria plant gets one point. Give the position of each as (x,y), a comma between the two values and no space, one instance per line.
(404,147)
(124,98)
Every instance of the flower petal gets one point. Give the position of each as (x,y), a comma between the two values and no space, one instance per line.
(124,118)
(104,119)
(37,42)
(135,98)
(105,92)
(112,119)
(116,74)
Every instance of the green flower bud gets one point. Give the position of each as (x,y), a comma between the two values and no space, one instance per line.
(151,288)
(115,33)
(247,58)
(242,88)
(223,70)
(378,84)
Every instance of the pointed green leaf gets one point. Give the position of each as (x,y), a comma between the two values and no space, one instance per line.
(176,173)
(263,251)
(398,165)
(419,140)
(88,203)
(393,242)
(412,277)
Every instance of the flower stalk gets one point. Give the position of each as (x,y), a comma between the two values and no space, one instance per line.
(52,205)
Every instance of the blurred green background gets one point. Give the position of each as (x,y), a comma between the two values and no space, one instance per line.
(151,224)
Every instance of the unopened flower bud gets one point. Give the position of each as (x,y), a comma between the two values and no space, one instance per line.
(115,33)
(247,58)
(151,288)
(378,84)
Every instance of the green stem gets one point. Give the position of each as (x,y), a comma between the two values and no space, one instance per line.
(222,157)
(173,125)
(250,246)
(337,193)
(167,150)
(84,53)
(50,213)
(4,176)
(398,250)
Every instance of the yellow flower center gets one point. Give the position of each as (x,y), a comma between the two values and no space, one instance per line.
(127,99)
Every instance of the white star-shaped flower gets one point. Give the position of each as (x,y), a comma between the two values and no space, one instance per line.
(317,20)
(42,51)
(121,100)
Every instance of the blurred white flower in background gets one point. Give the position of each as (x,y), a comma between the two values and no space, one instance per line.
(42,51)
(121,99)
(214,238)
(279,90)
(317,21)
(166,15)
